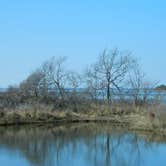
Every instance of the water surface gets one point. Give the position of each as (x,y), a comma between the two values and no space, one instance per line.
(79,145)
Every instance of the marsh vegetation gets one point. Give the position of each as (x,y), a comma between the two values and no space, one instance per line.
(114,88)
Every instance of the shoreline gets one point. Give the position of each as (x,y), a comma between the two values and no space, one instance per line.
(133,121)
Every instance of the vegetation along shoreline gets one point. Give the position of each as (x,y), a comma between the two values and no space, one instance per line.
(113,89)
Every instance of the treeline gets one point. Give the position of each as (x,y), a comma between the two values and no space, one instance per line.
(161,88)
(112,73)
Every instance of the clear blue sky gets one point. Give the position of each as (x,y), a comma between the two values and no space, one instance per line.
(32,31)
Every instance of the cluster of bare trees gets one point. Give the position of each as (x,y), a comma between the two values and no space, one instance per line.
(52,82)
(101,82)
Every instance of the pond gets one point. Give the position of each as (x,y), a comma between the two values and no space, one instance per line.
(79,145)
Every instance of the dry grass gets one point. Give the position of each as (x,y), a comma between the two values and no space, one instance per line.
(135,118)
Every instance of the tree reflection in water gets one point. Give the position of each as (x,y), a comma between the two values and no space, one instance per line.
(78,144)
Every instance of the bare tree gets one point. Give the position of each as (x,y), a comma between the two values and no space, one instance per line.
(10,97)
(135,82)
(74,93)
(94,86)
(142,91)
(31,86)
(109,71)
(55,76)
(74,80)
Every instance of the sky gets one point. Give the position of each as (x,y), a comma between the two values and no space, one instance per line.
(32,31)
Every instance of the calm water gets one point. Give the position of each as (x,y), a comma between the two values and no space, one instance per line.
(79,145)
